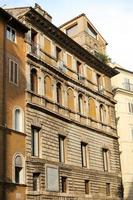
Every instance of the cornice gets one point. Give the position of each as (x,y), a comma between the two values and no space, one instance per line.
(67,43)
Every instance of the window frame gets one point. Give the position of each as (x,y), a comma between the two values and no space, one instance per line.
(108,189)
(21,120)
(13,71)
(35,151)
(106,162)
(62,148)
(63,184)
(36,187)
(9,35)
(22,172)
(84,154)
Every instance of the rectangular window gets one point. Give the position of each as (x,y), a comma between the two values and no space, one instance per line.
(64,184)
(13,72)
(36,181)
(84,154)
(87,187)
(69,61)
(106,159)
(35,141)
(62,148)
(108,191)
(11,34)
(91,31)
(99,82)
(71,31)
(130,107)
(58,53)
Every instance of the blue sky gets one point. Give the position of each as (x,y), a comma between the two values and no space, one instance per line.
(112,18)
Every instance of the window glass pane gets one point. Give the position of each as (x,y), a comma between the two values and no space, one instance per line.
(84,154)
(18,122)
(11,70)
(17,174)
(72,30)
(36,182)
(35,141)
(61,149)
(64,184)
(15,73)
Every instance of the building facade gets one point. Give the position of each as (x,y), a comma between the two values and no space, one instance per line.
(66,116)
(123,91)
(12,102)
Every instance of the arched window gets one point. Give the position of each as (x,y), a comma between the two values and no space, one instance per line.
(70,99)
(81,104)
(33,78)
(48,87)
(18,119)
(18,169)
(92,108)
(59,93)
(102,113)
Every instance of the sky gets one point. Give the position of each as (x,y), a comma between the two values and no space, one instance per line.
(112,18)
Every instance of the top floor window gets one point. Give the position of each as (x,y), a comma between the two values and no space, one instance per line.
(11,34)
(91,31)
(130,107)
(71,31)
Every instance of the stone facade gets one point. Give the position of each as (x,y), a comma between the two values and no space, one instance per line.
(71,147)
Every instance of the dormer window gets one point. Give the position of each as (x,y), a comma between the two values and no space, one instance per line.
(91,31)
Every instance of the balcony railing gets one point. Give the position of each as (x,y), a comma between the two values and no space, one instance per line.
(128,86)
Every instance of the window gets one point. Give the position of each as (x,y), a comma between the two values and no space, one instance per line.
(35,141)
(48,87)
(59,93)
(130,107)
(13,72)
(106,159)
(87,187)
(92,108)
(70,99)
(81,104)
(64,184)
(69,61)
(18,120)
(84,154)
(108,190)
(79,68)
(58,53)
(102,113)
(18,170)
(91,31)
(61,148)
(11,34)
(99,82)
(36,181)
(33,78)
(33,41)
(71,31)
